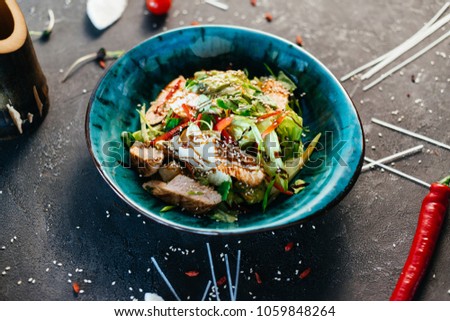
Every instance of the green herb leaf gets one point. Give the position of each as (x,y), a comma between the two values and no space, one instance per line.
(224,217)
(127,138)
(226,104)
(172,123)
(224,189)
(267,194)
(167,208)
(286,81)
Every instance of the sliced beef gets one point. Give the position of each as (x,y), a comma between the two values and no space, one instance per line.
(169,171)
(147,160)
(185,193)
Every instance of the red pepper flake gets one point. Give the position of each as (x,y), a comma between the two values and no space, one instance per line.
(76,287)
(102,64)
(253,3)
(258,278)
(305,273)
(195,23)
(222,281)
(192,274)
(268,16)
(299,40)
(288,246)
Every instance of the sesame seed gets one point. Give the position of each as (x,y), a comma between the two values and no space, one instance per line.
(129,271)
(54,262)
(59,264)
(19,282)
(3,247)
(373,147)
(4,273)
(81,291)
(69,281)
(30,280)
(113,283)
(47,269)
(69,274)
(7,268)
(130,288)
(84,91)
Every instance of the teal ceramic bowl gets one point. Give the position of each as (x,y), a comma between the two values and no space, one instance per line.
(141,73)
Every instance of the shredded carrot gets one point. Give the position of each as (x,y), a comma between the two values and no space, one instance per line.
(281,189)
(269,115)
(223,123)
(187,111)
(169,134)
(272,127)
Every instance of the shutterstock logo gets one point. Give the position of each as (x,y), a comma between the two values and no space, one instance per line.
(205,154)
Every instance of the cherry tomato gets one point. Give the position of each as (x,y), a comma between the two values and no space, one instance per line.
(158,7)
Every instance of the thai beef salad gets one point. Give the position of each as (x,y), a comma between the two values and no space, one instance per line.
(220,143)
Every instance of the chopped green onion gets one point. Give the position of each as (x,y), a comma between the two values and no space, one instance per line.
(167,208)
(267,194)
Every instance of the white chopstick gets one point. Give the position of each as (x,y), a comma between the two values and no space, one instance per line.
(213,274)
(407,61)
(393,157)
(171,288)
(381,58)
(217,4)
(410,133)
(406,46)
(399,173)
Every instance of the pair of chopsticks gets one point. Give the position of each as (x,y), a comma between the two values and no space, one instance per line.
(379,63)
(381,162)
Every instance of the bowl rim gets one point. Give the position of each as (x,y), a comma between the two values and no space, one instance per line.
(237,231)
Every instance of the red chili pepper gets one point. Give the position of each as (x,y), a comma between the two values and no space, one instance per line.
(221,281)
(169,134)
(253,2)
(305,273)
(288,246)
(272,127)
(258,278)
(299,40)
(76,287)
(192,274)
(158,7)
(223,123)
(432,215)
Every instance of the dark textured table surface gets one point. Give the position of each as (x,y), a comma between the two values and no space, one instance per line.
(54,205)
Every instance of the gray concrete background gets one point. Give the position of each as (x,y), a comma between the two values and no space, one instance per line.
(53,202)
